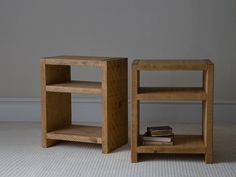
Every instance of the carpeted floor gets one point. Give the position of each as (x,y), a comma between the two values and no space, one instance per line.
(21,155)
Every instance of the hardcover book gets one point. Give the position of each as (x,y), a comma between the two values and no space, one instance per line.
(157,143)
(158,138)
(159,131)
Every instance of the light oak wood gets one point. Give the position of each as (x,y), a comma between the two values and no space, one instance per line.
(203,102)
(187,144)
(56,89)
(183,144)
(170,93)
(79,133)
(89,61)
(135,115)
(208,113)
(56,107)
(164,65)
(115,105)
(76,87)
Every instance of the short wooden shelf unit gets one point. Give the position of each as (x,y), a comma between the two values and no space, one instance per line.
(183,144)
(56,89)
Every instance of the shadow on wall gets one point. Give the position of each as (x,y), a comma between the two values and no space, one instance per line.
(224,144)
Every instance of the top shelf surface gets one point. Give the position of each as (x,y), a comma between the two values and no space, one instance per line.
(78,60)
(193,64)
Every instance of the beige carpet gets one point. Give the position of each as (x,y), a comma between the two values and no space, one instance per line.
(22,156)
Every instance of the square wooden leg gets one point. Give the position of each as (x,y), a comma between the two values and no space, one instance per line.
(135,116)
(208,114)
(208,131)
(134,156)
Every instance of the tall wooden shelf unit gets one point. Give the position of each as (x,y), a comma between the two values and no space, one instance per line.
(183,144)
(56,89)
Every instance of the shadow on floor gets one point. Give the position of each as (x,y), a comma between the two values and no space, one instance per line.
(224,148)
(171,157)
(79,145)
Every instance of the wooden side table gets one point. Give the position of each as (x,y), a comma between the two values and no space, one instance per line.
(56,89)
(183,144)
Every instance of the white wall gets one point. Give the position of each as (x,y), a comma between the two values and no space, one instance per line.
(30,29)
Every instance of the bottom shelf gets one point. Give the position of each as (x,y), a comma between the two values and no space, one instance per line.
(79,133)
(183,144)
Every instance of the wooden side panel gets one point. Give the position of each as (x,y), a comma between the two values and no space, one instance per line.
(208,113)
(135,115)
(115,105)
(56,107)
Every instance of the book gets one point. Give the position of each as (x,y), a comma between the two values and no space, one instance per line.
(157,143)
(159,131)
(158,138)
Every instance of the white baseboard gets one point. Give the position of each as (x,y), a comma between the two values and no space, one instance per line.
(89,110)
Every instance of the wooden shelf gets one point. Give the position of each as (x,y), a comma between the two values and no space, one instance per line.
(183,144)
(90,61)
(56,101)
(174,93)
(80,133)
(76,87)
(186,144)
(164,65)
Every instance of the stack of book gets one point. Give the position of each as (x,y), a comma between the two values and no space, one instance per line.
(161,135)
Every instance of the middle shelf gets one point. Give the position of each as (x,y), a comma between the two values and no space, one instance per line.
(171,93)
(76,87)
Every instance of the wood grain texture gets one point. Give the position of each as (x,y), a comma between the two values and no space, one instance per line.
(76,87)
(78,133)
(56,107)
(176,65)
(115,105)
(203,101)
(183,144)
(208,114)
(135,115)
(171,93)
(56,89)
(189,144)
(90,61)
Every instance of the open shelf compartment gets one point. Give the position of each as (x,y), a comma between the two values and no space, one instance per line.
(183,144)
(57,84)
(78,133)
